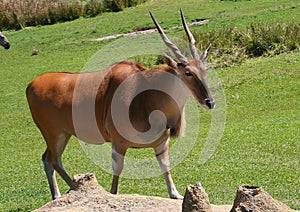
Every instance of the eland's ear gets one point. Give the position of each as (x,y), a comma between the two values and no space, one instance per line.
(172,63)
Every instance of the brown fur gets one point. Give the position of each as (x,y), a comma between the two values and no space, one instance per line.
(82,104)
(51,100)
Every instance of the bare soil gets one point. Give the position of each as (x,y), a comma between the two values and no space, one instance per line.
(146,30)
(90,196)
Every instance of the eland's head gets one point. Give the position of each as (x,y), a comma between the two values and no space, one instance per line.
(191,71)
(3,41)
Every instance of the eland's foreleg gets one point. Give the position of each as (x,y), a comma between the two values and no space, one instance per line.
(162,156)
(118,155)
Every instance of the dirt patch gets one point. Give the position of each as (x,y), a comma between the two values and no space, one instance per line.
(146,30)
(90,196)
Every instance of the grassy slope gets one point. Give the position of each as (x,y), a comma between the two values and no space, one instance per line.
(260,143)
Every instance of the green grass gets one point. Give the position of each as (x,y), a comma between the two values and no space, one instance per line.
(260,145)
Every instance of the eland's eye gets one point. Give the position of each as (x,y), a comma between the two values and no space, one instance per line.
(188,73)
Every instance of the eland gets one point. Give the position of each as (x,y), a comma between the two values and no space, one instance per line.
(66,104)
(4,41)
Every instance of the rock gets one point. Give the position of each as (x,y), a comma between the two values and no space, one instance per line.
(87,181)
(254,198)
(35,52)
(196,199)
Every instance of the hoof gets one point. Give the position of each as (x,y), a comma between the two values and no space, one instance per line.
(177,196)
(75,185)
(56,196)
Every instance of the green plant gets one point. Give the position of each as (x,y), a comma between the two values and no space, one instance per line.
(271,38)
(232,44)
(20,14)
(119,5)
(92,8)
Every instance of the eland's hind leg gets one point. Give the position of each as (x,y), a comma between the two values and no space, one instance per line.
(52,161)
(51,177)
(118,154)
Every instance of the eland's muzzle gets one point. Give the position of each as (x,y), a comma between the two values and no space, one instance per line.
(7,46)
(210,103)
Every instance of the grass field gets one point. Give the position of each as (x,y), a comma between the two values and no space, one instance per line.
(260,144)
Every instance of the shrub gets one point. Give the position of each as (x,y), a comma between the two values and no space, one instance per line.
(233,45)
(17,14)
(92,8)
(22,13)
(264,38)
(118,5)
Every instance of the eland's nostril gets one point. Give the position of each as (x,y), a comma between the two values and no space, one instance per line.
(210,103)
